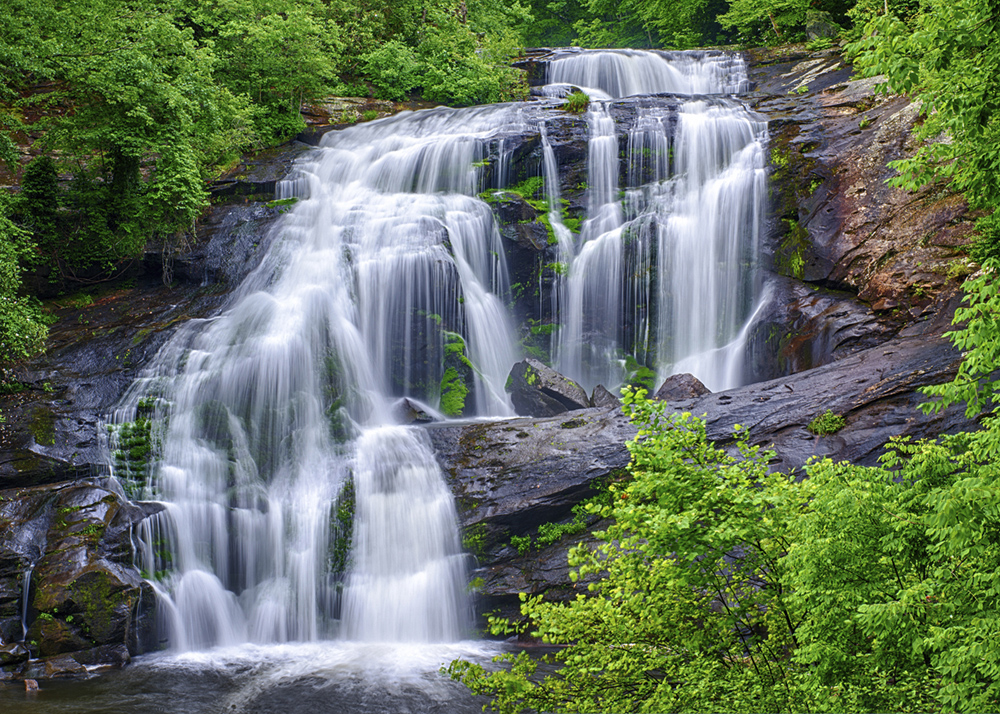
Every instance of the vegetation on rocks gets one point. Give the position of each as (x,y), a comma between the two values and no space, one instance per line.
(128,108)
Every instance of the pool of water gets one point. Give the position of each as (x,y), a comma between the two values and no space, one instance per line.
(308,678)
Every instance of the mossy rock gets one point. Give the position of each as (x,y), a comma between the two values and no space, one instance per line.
(55,636)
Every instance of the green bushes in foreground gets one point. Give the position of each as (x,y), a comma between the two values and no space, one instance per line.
(724,587)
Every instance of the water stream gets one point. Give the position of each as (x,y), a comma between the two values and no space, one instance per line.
(296,509)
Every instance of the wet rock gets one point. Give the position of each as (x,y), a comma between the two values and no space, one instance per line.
(30,685)
(604,399)
(509,477)
(12,654)
(537,390)
(835,220)
(407,411)
(84,595)
(681,386)
(52,667)
(543,570)
(810,326)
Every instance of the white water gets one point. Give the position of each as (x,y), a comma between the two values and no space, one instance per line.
(671,281)
(270,415)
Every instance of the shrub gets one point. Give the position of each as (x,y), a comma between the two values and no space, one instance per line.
(577,103)
(827,423)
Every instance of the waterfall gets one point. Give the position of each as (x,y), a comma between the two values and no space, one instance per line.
(664,277)
(296,508)
(386,281)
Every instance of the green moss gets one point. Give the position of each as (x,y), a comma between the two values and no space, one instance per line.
(789,259)
(43,427)
(827,423)
(779,158)
(342,525)
(134,447)
(546,329)
(544,220)
(529,188)
(453,393)
(474,539)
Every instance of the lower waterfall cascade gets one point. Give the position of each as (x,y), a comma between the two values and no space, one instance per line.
(296,508)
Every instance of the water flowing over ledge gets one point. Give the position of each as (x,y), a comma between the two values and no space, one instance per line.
(295,509)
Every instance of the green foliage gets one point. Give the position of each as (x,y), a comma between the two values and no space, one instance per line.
(23,328)
(141,103)
(393,68)
(474,539)
(979,341)
(943,53)
(827,423)
(521,543)
(577,103)
(723,587)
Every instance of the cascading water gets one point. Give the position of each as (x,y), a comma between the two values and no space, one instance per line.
(272,415)
(671,283)
(296,509)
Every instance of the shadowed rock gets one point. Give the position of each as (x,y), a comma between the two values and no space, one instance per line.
(603,398)
(540,391)
(681,386)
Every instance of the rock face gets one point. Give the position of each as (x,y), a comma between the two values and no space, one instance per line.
(837,222)
(540,391)
(66,575)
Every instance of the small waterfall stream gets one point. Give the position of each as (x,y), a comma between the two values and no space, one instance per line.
(296,510)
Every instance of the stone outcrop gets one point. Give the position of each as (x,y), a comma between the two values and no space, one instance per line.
(837,221)
(539,391)
(69,594)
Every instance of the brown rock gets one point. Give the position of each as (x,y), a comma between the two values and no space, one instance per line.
(681,386)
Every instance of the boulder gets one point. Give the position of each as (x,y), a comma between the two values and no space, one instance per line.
(408,411)
(601,397)
(681,386)
(540,391)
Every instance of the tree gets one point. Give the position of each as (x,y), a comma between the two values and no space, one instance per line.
(945,55)
(22,327)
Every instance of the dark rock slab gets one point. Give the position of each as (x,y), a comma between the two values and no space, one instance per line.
(509,477)
(681,386)
(540,391)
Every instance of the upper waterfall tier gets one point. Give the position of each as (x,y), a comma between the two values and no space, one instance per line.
(627,73)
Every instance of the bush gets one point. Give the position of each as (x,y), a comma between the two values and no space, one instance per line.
(827,423)
(393,68)
(22,326)
(577,103)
